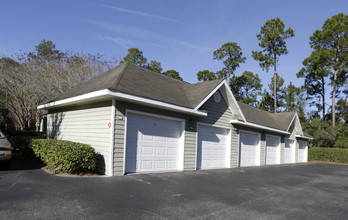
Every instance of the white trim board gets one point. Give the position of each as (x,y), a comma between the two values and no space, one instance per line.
(304,137)
(96,94)
(252,125)
(209,95)
(292,122)
(105,93)
(112,137)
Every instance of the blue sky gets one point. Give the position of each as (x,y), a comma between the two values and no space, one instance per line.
(182,35)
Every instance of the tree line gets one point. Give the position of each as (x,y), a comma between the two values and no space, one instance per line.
(28,79)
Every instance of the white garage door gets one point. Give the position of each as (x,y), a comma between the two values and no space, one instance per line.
(272,150)
(213,147)
(302,152)
(289,151)
(153,144)
(249,149)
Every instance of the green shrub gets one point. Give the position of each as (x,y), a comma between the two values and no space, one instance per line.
(339,155)
(65,156)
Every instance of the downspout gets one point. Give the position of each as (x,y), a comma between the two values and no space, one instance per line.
(112,137)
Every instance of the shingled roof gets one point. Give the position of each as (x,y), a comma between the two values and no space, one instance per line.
(132,79)
(280,121)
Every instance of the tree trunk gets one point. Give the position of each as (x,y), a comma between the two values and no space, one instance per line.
(323,96)
(333,100)
(275,85)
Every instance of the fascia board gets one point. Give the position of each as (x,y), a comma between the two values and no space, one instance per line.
(292,122)
(234,100)
(252,125)
(75,99)
(304,137)
(155,103)
(116,94)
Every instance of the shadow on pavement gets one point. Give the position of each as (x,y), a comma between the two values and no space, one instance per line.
(19,163)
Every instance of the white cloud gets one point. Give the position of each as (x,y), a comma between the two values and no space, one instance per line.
(146,38)
(127,43)
(139,13)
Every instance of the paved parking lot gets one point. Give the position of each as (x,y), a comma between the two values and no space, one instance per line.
(307,191)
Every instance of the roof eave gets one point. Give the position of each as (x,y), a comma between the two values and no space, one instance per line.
(256,126)
(303,137)
(96,95)
(155,103)
(107,93)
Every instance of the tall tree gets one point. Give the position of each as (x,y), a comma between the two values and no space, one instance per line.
(332,40)
(246,87)
(174,74)
(272,41)
(135,56)
(266,102)
(342,110)
(315,74)
(279,90)
(293,98)
(46,51)
(206,75)
(155,66)
(231,55)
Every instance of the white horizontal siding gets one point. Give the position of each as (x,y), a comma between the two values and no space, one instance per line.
(85,124)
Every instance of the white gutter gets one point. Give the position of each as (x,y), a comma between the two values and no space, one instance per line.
(304,137)
(252,125)
(155,103)
(116,94)
(74,99)
(112,137)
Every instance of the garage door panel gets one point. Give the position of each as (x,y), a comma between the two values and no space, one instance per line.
(212,147)
(155,147)
(249,149)
(302,152)
(272,150)
(289,151)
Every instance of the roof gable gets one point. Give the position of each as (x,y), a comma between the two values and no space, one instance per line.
(279,121)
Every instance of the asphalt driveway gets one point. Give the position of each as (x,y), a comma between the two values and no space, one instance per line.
(308,191)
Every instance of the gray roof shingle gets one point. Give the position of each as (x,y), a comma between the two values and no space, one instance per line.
(132,79)
(280,121)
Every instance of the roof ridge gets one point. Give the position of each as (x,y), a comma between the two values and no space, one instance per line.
(208,81)
(118,79)
(239,102)
(272,113)
(161,74)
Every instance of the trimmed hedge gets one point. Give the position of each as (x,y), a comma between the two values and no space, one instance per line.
(65,156)
(339,155)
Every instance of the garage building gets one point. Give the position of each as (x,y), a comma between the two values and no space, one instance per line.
(142,121)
